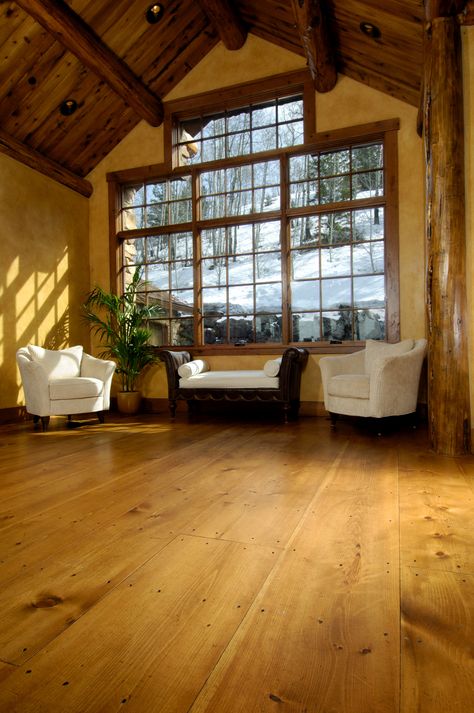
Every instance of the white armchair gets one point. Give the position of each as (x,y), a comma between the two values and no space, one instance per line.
(380,380)
(64,382)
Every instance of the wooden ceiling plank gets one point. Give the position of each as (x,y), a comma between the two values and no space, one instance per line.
(71,31)
(367,76)
(280,40)
(392,61)
(182,63)
(25,102)
(226,21)
(409,31)
(85,141)
(407,11)
(312,22)
(15,149)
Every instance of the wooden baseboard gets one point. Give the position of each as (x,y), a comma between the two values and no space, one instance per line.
(16,414)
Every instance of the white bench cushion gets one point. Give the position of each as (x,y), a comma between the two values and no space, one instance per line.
(243,379)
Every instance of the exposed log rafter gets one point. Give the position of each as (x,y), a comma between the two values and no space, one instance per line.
(226,21)
(22,153)
(74,34)
(312,22)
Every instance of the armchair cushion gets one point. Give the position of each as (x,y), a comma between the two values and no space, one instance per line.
(57,363)
(354,386)
(374,351)
(76,387)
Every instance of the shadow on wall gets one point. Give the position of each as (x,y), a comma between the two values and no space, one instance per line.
(34,309)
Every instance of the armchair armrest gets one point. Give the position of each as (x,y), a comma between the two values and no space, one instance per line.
(35,386)
(102,369)
(344,364)
(394,383)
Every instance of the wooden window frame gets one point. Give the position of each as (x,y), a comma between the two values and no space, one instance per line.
(230,98)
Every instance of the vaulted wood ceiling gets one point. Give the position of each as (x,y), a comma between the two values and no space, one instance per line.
(117,66)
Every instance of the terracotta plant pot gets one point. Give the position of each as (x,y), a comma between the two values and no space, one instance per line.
(128,401)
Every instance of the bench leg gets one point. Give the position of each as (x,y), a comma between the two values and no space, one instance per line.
(172,406)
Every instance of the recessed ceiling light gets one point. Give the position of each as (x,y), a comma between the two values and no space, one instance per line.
(68,107)
(154,13)
(369,29)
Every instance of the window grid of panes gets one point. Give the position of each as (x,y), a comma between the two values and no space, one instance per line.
(242,283)
(239,132)
(337,258)
(157,203)
(167,282)
(240,190)
(334,228)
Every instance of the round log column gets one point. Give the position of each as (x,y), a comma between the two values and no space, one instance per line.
(448,369)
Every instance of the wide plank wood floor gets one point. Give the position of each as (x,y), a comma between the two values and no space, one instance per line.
(238,565)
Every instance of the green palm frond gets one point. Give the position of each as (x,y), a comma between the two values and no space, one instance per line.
(118,321)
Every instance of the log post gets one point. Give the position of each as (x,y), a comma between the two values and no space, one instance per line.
(448,368)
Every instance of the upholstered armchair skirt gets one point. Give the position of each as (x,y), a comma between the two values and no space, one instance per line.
(64,382)
(380,380)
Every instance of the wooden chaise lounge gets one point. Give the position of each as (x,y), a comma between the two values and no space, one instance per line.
(282,388)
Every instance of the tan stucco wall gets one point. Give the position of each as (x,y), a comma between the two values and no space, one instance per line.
(45,268)
(350,103)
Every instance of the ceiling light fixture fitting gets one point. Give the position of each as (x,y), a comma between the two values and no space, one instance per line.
(154,13)
(370,30)
(68,107)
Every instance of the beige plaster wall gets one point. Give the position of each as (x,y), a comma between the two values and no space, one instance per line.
(350,103)
(45,268)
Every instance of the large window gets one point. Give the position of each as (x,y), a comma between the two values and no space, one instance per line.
(258,238)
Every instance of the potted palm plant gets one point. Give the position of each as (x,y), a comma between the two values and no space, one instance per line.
(119,322)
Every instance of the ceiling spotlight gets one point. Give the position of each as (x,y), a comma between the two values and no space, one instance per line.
(154,13)
(68,107)
(367,28)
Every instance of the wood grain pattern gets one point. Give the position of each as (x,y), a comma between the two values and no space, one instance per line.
(143,62)
(71,31)
(448,368)
(437,562)
(234,567)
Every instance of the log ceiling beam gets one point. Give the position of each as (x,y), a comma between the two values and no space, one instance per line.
(28,156)
(467,17)
(312,23)
(226,21)
(75,35)
(443,8)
